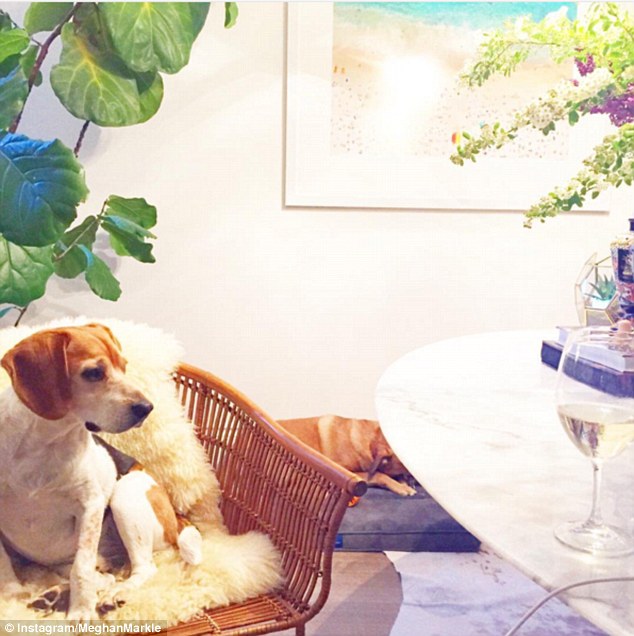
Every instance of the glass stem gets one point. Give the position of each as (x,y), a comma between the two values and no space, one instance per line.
(595,517)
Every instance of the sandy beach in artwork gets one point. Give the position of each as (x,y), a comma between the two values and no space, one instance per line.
(395,89)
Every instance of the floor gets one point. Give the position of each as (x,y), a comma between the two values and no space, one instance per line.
(447,594)
(364,600)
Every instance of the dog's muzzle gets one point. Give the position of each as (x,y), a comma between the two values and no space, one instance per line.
(138,412)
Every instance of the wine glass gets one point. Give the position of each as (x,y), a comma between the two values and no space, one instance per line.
(596,408)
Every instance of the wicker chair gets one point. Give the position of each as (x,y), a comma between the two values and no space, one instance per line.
(273,483)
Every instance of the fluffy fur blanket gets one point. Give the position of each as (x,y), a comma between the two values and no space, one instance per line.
(234,567)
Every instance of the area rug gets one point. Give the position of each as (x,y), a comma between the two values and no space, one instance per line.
(475,594)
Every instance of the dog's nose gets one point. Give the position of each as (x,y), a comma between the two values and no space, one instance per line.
(141,410)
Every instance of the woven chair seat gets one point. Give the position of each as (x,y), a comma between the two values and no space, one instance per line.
(273,483)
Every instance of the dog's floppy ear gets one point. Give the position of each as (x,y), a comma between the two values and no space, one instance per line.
(39,373)
(108,338)
(103,332)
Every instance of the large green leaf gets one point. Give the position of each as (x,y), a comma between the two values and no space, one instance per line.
(24,272)
(93,83)
(14,89)
(128,239)
(154,36)
(70,260)
(133,209)
(127,221)
(99,277)
(12,42)
(41,185)
(45,16)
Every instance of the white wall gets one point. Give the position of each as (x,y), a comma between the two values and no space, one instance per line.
(300,309)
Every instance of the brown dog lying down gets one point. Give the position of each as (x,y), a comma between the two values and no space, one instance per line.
(358,445)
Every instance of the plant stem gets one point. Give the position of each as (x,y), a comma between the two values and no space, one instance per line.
(492,62)
(78,238)
(80,139)
(41,56)
(22,311)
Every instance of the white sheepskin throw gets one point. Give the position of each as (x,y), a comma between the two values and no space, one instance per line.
(234,567)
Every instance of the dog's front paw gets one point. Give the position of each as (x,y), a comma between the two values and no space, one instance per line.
(111,598)
(404,490)
(82,613)
(109,605)
(54,599)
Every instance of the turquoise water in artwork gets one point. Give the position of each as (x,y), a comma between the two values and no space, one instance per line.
(473,15)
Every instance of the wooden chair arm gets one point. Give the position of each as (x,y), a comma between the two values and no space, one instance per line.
(271,482)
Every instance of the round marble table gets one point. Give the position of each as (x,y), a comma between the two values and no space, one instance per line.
(473,419)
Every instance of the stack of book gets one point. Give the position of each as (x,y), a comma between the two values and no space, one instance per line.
(609,370)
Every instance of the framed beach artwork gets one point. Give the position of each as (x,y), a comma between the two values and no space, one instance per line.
(373,101)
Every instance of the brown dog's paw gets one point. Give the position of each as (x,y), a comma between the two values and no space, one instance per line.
(55,599)
(403,490)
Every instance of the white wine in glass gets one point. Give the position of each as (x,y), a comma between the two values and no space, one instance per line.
(599,422)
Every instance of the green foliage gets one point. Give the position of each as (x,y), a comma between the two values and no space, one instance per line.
(94,84)
(604,35)
(171,27)
(611,165)
(13,93)
(42,183)
(604,288)
(231,14)
(12,42)
(99,276)
(24,272)
(45,16)
(108,74)
(128,221)
(69,260)
(15,63)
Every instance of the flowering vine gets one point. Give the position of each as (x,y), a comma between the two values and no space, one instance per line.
(601,43)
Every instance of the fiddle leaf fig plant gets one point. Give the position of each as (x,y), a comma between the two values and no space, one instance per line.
(109,73)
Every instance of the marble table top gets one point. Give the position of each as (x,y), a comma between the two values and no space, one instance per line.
(473,419)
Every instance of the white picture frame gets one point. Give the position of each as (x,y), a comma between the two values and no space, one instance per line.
(317,177)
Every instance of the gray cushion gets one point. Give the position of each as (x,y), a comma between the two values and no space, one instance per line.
(383,520)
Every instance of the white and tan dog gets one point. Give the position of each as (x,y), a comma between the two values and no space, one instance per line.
(358,445)
(57,481)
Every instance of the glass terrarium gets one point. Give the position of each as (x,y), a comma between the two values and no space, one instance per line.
(595,292)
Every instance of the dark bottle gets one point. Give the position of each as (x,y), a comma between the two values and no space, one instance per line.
(622,251)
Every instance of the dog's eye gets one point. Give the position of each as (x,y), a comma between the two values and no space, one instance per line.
(94,374)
